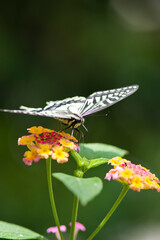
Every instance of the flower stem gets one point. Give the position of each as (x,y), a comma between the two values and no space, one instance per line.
(109,214)
(78,159)
(74,217)
(49,178)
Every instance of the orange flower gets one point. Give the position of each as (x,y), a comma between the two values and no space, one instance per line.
(36,130)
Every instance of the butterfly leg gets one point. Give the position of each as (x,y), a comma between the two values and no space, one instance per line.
(72,132)
(81,134)
(84,127)
(63,129)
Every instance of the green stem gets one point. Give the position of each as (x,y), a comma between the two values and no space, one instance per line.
(79,174)
(77,157)
(118,201)
(74,217)
(49,178)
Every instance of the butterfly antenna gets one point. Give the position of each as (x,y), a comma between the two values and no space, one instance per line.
(98,115)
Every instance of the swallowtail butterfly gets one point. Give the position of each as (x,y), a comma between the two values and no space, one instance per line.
(72,111)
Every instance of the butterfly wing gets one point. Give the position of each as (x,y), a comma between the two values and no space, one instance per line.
(101,100)
(68,105)
(37,112)
(78,107)
(66,108)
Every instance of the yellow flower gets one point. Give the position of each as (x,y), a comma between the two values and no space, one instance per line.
(137,183)
(151,183)
(60,155)
(44,150)
(68,136)
(116,161)
(26,140)
(126,174)
(68,144)
(30,156)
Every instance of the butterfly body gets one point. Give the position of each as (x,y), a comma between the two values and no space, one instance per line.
(71,123)
(72,111)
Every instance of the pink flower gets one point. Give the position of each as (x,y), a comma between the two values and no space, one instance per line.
(55,230)
(113,173)
(78,227)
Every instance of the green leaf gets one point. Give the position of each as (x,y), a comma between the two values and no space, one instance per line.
(100,150)
(84,188)
(13,231)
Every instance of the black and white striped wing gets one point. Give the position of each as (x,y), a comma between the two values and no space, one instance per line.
(101,100)
(66,108)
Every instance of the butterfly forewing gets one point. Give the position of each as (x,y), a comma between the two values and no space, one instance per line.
(101,100)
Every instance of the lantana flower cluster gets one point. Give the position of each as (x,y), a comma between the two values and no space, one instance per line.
(136,176)
(45,143)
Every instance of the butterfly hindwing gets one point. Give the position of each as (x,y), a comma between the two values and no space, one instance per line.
(66,108)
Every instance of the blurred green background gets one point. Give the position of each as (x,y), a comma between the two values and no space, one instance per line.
(56,49)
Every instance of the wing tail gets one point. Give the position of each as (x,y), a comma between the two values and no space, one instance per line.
(28,112)
(40,112)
